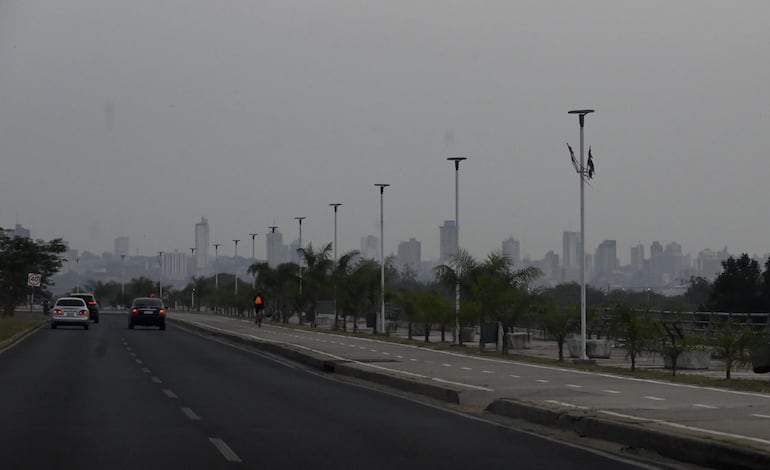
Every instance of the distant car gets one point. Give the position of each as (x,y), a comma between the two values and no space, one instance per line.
(70,311)
(148,311)
(93,306)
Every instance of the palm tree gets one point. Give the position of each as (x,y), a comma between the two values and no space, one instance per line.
(339,276)
(316,277)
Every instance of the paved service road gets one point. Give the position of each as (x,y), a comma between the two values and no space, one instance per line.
(722,414)
(111,397)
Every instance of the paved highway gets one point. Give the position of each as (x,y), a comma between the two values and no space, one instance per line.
(721,414)
(112,397)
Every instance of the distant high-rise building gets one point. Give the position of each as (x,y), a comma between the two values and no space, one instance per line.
(448,236)
(512,249)
(551,265)
(175,266)
(18,231)
(409,255)
(637,257)
(202,244)
(709,263)
(570,247)
(121,246)
(370,247)
(276,250)
(606,259)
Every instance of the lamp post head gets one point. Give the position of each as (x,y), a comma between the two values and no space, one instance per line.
(253,235)
(457,161)
(272,228)
(335,205)
(581,114)
(299,219)
(382,186)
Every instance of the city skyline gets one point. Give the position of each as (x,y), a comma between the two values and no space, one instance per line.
(252,136)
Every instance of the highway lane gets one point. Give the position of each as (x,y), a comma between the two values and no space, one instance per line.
(715,413)
(113,397)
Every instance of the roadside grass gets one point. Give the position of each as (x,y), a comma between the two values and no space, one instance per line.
(9,326)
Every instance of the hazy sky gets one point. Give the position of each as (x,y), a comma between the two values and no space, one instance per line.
(138,117)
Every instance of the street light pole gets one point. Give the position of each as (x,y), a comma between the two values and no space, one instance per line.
(160,277)
(457,337)
(253,258)
(335,205)
(192,255)
(299,221)
(122,275)
(216,268)
(381,325)
(236,266)
(270,246)
(581,119)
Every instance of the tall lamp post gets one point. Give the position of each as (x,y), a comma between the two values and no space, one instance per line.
(236,266)
(457,337)
(192,255)
(122,275)
(253,258)
(216,268)
(160,277)
(581,119)
(381,324)
(299,221)
(335,205)
(270,244)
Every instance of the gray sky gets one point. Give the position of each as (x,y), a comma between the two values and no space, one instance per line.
(138,117)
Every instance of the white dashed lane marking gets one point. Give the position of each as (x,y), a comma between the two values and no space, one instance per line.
(413,360)
(757,415)
(190,414)
(225,450)
(145,370)
(133,354)
(156,380)
(568,405)
(610,391)
(139,361)
(466,368)
(447,365)
(654,398)
(515,376)
(708,407)
(574,386)
(169,393)
(542,381)
(400,357)
(488,371)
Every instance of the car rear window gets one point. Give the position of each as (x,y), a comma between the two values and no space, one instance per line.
(70,303)
(147,303)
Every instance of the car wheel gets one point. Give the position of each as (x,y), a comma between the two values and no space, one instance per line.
(85,326)
(162,326)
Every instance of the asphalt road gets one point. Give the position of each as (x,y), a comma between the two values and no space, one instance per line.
(111,397)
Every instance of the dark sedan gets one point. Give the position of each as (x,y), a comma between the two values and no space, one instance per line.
(147,311)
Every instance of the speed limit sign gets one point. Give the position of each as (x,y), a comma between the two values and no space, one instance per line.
(33,280)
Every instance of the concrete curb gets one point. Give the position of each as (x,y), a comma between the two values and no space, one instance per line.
(18,337)
(683,448)
(342,367)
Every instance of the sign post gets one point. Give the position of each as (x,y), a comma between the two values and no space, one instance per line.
(33,280)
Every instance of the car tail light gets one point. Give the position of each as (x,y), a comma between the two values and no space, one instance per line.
(83,312)
(162,311)
(134,310)
(57,311)
(92,303)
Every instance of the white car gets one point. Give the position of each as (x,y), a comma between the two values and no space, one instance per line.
(70,311)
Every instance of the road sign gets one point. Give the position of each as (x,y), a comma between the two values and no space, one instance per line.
(33,280)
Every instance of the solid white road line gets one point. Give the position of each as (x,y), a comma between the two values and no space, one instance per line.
(190,414)
(169,393)
(689,428)
(225,450)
